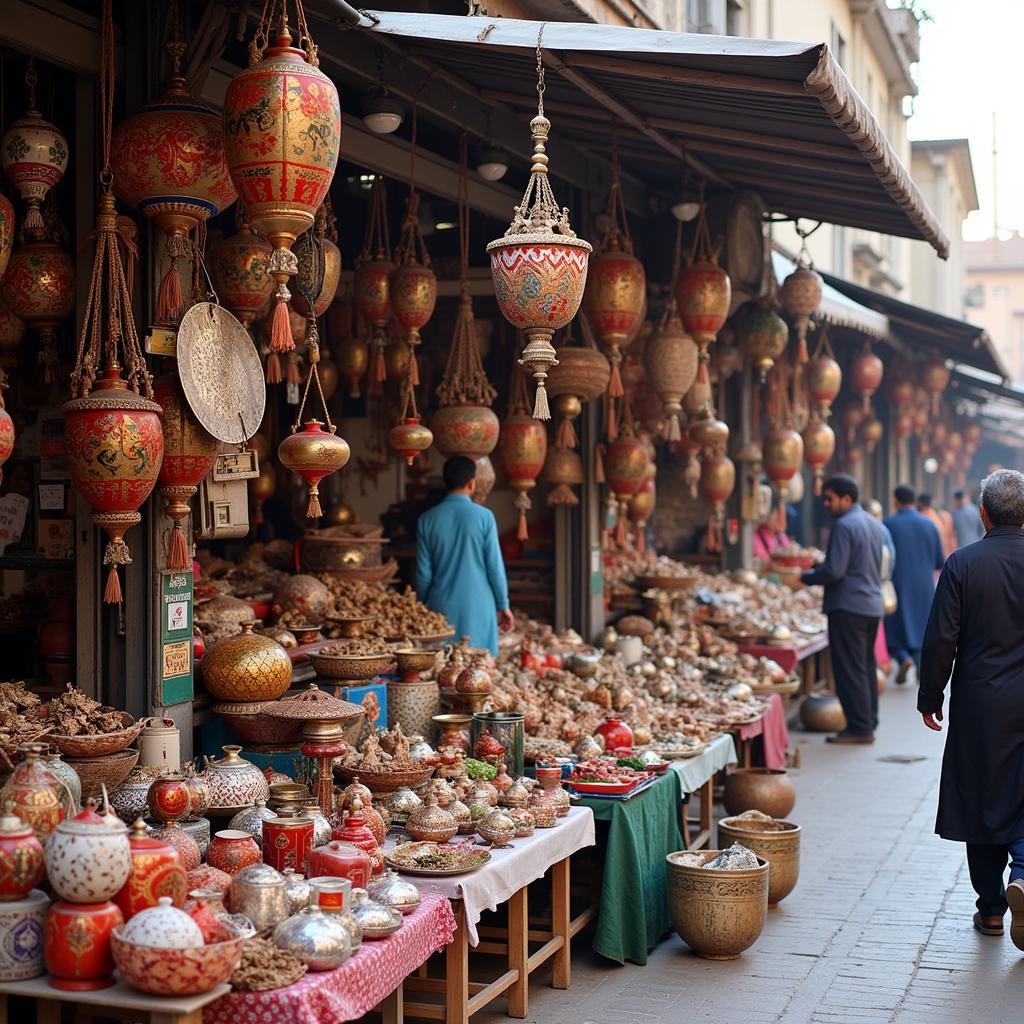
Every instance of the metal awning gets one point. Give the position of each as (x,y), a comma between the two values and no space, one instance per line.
(836,309)
(987,390)
(779,118)
(927,331)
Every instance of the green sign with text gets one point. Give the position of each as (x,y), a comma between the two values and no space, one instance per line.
(175,637)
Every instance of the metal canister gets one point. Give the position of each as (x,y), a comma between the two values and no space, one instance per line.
(287,842)
(160,745)
(507,727)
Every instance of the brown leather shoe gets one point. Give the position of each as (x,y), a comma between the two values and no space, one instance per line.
(1015,901)
(848,737)
(905,666)
(994,925)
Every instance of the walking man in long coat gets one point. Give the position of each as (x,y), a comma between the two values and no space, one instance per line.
(918,557)
(976,631)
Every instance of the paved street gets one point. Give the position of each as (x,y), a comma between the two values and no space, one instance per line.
(878,929)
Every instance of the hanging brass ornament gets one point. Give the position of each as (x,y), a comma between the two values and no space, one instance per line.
(819,447)
(371,283)
(563,470)
(539,266)
(522,449)
(935,378)
(762,335)
(582,374)
(866,374)
(824,376)
(783,453)
(801,296)
(717,481)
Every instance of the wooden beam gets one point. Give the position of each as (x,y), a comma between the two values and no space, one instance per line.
(766,156)
(788,184)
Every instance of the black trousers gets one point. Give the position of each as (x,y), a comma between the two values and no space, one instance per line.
(987,865)
(851,640)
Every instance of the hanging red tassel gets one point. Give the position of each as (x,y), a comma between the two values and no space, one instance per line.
(112,591)
(378,372)
(641,544)
(291,373)
(615,389)
(620,528)
(612,420)
(414,370)
(281,329)
(274,368)
(168,302)
(566,435)
(177,551)
(522,532)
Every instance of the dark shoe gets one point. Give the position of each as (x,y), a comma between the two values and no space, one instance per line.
(849,737)
(1015,901)
(904,670)
(994,925)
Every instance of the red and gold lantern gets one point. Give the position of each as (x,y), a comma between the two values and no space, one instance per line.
(707,431)
(412,290)
(563,470)
(626,461)
(801,296)
(189,453)
(114,448)
(762,336)
(6,232)
(313,453)
(717,481)
(819,447)
(824,379)
(866,373)
(703,294)
(935,378)
(470,430)
(282,129)
(871,433)
(522,449)
(671,360)
(410,438)
(783,451)
(640,507)
(239,267)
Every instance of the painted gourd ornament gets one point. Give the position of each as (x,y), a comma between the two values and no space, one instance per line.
(783,453)
(239,267)
(522,449)
(762,336)
(313,453)
(409,438)
(582,374)
(866,373)
(563,470)
(670,357)
(819,447)
(6,232)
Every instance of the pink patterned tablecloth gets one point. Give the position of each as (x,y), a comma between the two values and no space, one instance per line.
(772,726)
(328,997)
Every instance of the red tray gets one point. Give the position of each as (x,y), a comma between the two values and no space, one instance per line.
(605,788)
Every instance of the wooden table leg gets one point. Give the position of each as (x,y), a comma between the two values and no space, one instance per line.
(48,1011)
(392,1007)
(707,807)
(157,1017)
(561,963)
(519,953)
(457,969)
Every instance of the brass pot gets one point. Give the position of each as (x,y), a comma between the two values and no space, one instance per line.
(780,847)
(718,914)
(768,790)
(822,712)
(247,667)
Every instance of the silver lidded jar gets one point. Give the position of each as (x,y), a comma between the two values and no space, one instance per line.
(319,940)
(259,892)
(321,826)
(375,920)
(251,819)
(392,891)
(334,896)
(299,891)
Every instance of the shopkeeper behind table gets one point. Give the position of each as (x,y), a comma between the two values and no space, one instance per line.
(459,569)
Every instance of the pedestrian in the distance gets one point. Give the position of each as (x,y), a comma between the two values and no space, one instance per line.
(966,520)
(918,557)
(943,523)
(851,575)
(976,631)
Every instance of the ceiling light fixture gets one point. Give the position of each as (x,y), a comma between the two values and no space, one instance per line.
(491,164)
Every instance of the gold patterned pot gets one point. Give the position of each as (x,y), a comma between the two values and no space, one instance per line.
(431,823)
(563,470)
(783,453)
(866,373)
(413,293)
(819,447)
(718,914)
(409,438)
(239,268)
(762,335)
(703,294)
(780,846)
(824,379)
(247,667)
(470,430)
(313,454)
(670,357)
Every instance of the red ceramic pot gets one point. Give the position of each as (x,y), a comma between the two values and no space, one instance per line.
(354,831)
(76,945)
(231,849)
(616,735)
(338,859)
(157,870)
(21,858)
(287,842)
(169,798)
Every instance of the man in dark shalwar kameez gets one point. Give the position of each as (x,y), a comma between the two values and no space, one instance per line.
(976,632)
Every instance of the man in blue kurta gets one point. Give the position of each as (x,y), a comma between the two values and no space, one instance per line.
(919,556)
(459,569)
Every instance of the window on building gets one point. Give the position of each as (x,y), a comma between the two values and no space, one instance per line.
(974,296)
(734,18)
(838,45)
(1000,291)
(707,16)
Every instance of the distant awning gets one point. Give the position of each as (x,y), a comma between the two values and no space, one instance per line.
(927,331)
(779,118)
(836,309)
(986,390)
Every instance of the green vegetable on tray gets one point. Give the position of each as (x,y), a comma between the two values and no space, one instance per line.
(631,762)
(480,769)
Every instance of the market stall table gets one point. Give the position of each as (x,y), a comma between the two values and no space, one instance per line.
(633,911)
(772,729)
(504,880)
(372,976)
(696,778)
(809,657)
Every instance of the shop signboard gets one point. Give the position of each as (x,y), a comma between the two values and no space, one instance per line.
(175,637)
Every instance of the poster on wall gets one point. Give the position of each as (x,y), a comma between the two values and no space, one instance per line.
(176,666)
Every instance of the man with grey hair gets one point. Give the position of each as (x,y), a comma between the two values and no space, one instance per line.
(976,632)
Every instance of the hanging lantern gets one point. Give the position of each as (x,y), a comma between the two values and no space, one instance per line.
(522,450)
(470,430)
(801,296)
(169,164)
(717,480)
(871,433)
(707,431)
(282,127)
(313,453)
(671,360)
(824,379)
(783,453)
(904,425)
(332,269)
(409,438)
(641,506)
(189,453)
(900,390)
(539,266)
(866,374)
(413,293)
(625,467)
(39,287)
(6,232)
(371,288)
(6,428)
(649,412)
(12,330)
(819,446)
(581,374)
(34,155)
(703,290)
(851,416)
(935,378)
(563,470)
(239,268)
(397,359)
(762,335)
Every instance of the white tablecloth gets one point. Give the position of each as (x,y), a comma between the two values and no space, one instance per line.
(693,772)
(511,868)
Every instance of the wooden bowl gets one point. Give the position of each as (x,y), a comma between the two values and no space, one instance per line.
(350,666)
(109,769)
(101,744)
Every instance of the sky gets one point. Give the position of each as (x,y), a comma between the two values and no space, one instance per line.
(971,67)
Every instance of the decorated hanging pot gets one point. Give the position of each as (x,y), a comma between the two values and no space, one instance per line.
(819,447)
(313,453)
(934,377)
(762,336)
(37,795)
(412,291)
(409,438)
(157,870)
(522,448)
(783,453)
(717,480)
(670,357)
(246,667)
(239,269)
(332,274)
(371,291)
(625,465)
(470,430)
(563,470)
(615,297)
(824,379)
(866,374)
(582,374)
(871,433)
(88,858)
(76,944)
(21,858)
(235,782)
(703,293)
(6,245)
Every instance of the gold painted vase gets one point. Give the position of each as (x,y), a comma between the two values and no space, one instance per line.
(246,667)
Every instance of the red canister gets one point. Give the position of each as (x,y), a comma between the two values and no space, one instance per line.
(76,945)
(231,849)
(287,842)
(21,858)
(169,798)
(341,860)
(157,870)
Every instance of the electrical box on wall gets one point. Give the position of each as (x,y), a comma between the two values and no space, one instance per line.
(224,495)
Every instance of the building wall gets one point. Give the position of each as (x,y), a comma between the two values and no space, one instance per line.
(995,296)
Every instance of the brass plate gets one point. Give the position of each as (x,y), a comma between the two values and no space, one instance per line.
(220,373)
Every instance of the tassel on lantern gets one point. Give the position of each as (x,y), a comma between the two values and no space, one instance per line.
(673,433)
(274,368)
(280,329)
(116,554)
(313,509)
(566,434)
(168,303)
(177,550)
(523,504)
